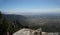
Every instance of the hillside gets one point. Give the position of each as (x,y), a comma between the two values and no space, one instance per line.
(11,23)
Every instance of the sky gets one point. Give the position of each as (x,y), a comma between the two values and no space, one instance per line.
(29,6)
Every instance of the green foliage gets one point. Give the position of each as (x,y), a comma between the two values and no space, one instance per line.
(5,25)
(0,14)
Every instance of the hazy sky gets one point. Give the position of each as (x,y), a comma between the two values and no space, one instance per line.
(30,6)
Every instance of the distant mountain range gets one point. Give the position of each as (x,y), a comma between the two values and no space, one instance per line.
(15,17)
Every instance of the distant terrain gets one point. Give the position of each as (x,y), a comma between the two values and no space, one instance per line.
(49,21)
(13,22)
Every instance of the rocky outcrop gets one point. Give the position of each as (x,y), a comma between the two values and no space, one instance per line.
(27,32)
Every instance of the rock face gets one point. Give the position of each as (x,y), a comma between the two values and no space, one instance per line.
(27,32)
